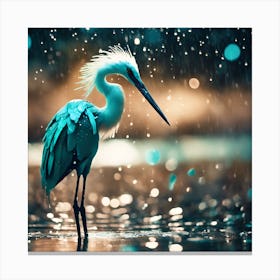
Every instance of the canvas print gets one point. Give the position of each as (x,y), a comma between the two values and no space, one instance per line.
(139,140)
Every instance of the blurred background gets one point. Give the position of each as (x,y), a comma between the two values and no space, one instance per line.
(186,187)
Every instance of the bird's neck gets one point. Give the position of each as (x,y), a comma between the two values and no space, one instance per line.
(112,111)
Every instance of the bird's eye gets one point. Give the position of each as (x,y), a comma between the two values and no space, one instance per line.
(129,72)
(132,76)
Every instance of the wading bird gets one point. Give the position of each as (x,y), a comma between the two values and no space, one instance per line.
(72,136)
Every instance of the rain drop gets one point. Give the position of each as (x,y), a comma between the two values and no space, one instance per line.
(136,41)
(145,206)
(154,192)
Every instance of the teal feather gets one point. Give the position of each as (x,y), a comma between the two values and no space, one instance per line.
(50,163)
(61,125)
(71,126)
(71,136)
(71,141)
(82,106)
(74,116)
(92,121)
(75,108)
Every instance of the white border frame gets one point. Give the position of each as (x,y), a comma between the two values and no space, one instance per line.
(17,16)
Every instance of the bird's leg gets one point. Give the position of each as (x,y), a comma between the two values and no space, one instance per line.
(85,245)
(82,209)
(79,244)
(77,209)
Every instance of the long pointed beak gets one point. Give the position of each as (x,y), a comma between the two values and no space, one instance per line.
(141,87)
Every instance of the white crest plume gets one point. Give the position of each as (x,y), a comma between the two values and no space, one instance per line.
(116,54)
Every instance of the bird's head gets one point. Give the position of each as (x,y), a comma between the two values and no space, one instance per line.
(117,61)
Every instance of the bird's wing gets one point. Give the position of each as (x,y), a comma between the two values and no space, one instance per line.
(63,141)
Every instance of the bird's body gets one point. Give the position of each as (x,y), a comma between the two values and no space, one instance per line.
(71,142)
(72,136)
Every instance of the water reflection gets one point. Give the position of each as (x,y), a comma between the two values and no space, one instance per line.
(155,210)
(154,234)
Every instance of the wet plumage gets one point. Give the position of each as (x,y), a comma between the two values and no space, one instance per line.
(71,142)
(72,136)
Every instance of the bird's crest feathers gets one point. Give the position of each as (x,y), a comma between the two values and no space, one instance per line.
(116,54)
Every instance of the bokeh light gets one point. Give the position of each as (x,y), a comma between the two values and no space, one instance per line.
(153,157)
(125,199)
(171,164)
(176,211)
(29,42)
(191,172)
(194,83)
(172,181)
(175,248)
(137,41)
(154,192)
(232,52)
(105,201)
